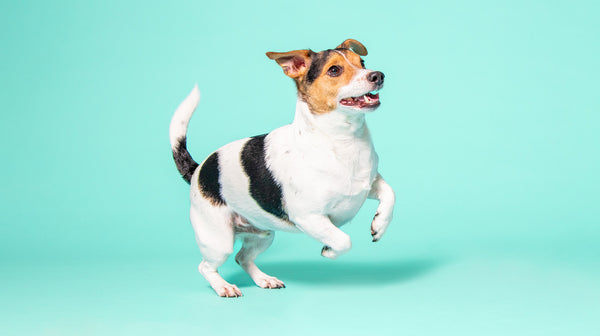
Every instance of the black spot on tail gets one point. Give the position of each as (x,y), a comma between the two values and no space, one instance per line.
(263,187)
(208,179)
(184,161)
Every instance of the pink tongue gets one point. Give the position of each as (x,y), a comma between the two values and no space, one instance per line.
(360,101)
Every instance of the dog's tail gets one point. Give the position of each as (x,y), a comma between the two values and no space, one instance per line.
(177,134)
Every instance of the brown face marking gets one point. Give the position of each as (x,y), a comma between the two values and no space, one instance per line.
(320,90)
(316,85)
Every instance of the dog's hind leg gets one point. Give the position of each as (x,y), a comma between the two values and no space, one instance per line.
(253,245)
(215,237)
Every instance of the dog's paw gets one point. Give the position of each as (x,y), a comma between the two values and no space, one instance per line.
(379,226)
(269,282)
(328,252)
(229,291)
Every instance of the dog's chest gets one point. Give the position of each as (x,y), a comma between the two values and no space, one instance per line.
(348,168)
(332,177)
(349,176)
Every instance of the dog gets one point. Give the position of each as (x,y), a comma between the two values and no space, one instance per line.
(310,176)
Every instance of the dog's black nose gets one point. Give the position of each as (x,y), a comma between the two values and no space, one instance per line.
(376,77)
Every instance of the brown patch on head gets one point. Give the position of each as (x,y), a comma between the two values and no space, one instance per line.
(319,88)
(319,76)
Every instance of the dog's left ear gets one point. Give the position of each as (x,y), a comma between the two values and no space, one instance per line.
(294,63)
(355,46)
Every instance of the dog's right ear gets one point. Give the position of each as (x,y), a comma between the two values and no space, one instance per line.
(294,63)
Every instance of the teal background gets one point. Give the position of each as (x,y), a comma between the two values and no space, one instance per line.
(488,132)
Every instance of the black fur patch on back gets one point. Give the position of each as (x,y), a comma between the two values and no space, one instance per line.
(263,187)
(316,66)
(208,179)
(184,161)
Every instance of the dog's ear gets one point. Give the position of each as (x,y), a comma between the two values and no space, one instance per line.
(355,46)
(294,63)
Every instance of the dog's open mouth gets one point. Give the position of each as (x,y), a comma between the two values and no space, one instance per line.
(368,100)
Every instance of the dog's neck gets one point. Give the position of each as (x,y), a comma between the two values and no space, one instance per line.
(335,125)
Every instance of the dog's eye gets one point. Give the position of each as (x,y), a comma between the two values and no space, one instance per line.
(362,63)
(334,71)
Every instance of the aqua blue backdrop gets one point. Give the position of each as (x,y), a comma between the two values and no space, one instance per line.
(488,132)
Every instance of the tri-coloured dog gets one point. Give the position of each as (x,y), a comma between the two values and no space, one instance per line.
(310,176)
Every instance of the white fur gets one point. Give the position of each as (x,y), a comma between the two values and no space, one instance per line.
(326,166)
(181,117)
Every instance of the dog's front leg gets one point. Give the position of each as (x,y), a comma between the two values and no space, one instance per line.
(320,228)
(382,192)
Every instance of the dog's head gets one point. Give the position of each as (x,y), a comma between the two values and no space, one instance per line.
(333,79)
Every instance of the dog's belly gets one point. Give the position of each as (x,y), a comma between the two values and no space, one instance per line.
(262,220)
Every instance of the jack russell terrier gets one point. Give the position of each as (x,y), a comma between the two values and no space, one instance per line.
(310,176)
